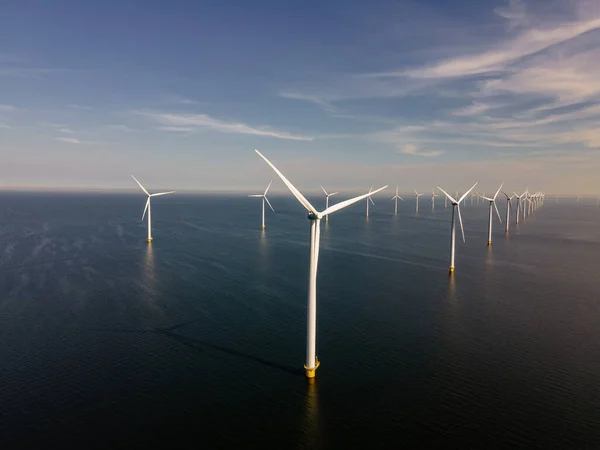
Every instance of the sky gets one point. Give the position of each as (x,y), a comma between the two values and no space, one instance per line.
(344,94)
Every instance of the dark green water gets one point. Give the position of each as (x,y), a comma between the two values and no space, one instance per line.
(197,341)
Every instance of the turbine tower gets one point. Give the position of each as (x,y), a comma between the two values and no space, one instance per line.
(147,207)
(493,202)
(264,198)
(314,216)
(455,207)
(396,197)
(327,201)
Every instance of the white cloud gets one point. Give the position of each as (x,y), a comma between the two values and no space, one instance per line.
(526,44)
(85,108)
(411,149)
(207,122)
(69,140)
(177,129)
(317,100)
(75,141)
(123,128)
(474,108)
(7,108)
(66,131)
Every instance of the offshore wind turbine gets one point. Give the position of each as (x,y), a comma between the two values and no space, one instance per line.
(508,204)
(327,201)
(418,195)
(147,207)
(455,207)
(396,197)
(264,198)
(433,196)
(493,202)
(369,199)
(314,216)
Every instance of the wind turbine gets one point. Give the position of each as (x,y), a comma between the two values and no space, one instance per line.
(327,201)
(508,200)
(147,207)
(455,207)
(433,196)
(396,197)
(418,195)
(312,362)
(369,199)
(519,202)
(493,202)
(264,198)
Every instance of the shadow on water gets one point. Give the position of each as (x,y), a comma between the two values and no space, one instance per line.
(203,345)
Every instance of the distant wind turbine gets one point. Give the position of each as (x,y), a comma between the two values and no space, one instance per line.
(312,362)
(147,207)
(396,197)
(418,195)
(264,199)
(455,208)
(508,204)
(433,196)
(327,201)
(369,199)
(493,202)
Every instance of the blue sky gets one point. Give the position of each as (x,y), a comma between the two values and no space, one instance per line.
(342,93)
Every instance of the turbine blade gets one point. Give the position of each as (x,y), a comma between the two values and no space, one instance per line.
(460,221)
(415,191)
(488,199)
(267,189)
(496,194)
(505,194)
(372,202)
(146,208)
(140,184)
(268,203)
(447,195)
(400,198)
(467,193)
(290,186)
(325,191)
(162,193)
(333,193)
(345,203)
(497,212)
(256,195)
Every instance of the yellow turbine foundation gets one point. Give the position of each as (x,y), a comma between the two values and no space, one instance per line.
(310,373)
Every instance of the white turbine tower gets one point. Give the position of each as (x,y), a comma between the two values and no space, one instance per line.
(455,207)
(327,201)
(396,197)
(493,202)
(264,198)
(312,362)
(433,196)
(508,204)
(418,195)
(147,207)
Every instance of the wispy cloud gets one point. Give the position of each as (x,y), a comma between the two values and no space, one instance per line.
(204,121)
(66,131)
(82,107)
(323,104)
(75,141)
(119,127)
(411,149)
(7,108)
(474,108)
(177,129)
(6,127)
